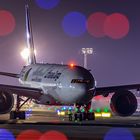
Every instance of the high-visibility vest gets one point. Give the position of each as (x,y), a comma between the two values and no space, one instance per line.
(69,112)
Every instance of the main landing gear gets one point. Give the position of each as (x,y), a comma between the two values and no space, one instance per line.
(84,113)
(17,114)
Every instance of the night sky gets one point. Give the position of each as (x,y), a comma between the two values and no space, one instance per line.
(62,27)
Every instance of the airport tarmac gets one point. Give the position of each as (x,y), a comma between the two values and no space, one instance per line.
(115,128)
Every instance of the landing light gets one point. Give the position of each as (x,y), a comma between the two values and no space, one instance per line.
(25,53)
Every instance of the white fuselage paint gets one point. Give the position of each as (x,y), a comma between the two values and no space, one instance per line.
(56,82)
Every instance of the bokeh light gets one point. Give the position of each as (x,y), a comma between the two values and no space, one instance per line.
(74,24)
(98,110)
(53,135)
(106,109)
(95,24)
(116,26)
(6,135)
(29,135)
(47,4)
(28,113)
(7,23)
(119,134)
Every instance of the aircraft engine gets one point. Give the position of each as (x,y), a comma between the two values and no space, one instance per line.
(123,103)
(6,102)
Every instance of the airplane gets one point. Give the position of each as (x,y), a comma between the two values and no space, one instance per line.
(57,84)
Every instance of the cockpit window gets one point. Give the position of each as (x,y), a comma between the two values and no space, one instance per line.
(80,81)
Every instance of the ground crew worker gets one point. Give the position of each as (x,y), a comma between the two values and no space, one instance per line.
(70,114)
(75,113)
(83,113)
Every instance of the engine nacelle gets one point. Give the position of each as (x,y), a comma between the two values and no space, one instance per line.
(123,103)
(6,102)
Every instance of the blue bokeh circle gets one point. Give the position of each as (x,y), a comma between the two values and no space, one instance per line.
(74,24)
(119,134)
(6,135)
(47,4)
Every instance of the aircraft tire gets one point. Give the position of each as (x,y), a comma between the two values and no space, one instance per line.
(13,115)
(21,115)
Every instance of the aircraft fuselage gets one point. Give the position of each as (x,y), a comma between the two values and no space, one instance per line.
(66,84)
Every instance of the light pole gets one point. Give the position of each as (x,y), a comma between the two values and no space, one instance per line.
(85,52)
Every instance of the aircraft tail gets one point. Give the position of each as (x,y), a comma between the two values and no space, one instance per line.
(29,37)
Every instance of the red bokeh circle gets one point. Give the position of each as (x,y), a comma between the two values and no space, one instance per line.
(116,26)
(29,135)
(7,22)
(95,24)
(53,135)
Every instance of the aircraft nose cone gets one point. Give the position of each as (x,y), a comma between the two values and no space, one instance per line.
(86,82)
(87,77)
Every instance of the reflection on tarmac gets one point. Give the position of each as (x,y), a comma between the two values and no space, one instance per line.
(50,122)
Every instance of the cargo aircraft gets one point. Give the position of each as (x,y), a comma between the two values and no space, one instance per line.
(56,84)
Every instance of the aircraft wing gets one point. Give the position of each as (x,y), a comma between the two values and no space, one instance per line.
(9,74)
(34,93)
(110,89)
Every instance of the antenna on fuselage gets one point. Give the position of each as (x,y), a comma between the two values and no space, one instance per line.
(29,35)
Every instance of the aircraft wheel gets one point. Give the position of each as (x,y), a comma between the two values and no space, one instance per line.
(13,115)
(20,115)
